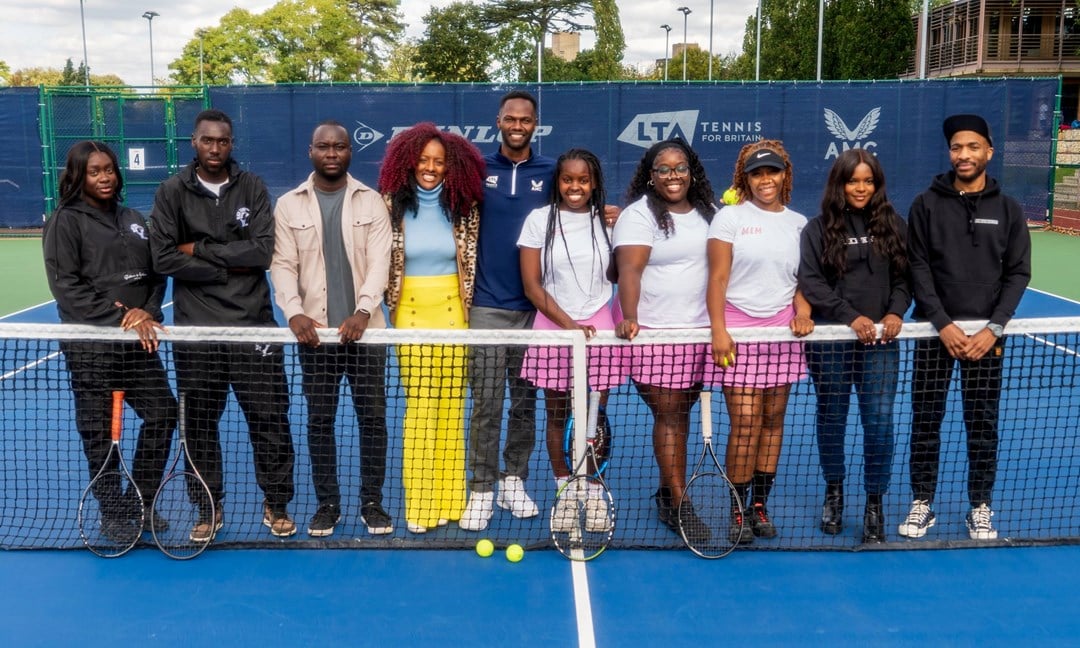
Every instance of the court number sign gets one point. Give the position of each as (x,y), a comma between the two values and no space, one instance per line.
(136,159)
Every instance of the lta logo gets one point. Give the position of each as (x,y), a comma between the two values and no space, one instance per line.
(851,138)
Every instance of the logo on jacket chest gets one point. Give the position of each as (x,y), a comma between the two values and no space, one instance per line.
(242,216)
(537,185)
(138,230)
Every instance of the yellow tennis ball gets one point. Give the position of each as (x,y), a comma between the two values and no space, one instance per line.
(514,553)
(730,196)
(485,548)
(725,361)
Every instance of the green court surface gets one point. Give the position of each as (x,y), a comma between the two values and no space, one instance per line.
(22,274)
(1055,260)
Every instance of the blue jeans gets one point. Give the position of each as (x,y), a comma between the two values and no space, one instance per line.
(835,368)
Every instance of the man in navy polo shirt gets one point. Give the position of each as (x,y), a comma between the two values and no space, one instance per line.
(517,182)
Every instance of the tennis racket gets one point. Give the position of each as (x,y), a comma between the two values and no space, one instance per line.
(705,513)
(182,502)
(111,507)
(583,515)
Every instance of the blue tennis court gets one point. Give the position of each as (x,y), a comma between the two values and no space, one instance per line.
(985,596)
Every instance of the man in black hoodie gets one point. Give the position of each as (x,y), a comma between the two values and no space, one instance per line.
(213,233)
(970,256)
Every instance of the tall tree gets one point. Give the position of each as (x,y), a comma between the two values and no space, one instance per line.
(610,43)
(309,40)
(455,46)
(378,27)
(294,40)
(70,77)
(535,18)
(401,64)
(868,39)
(5,73)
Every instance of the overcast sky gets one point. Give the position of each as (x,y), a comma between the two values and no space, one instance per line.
(45,33)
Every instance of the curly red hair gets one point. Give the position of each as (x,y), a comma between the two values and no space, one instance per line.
(463,185)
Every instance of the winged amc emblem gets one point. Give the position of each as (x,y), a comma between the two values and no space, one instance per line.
(840,130)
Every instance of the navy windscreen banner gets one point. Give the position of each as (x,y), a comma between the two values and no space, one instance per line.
(22,199)
(900,122)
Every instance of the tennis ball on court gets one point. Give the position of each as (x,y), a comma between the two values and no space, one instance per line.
(730,196)
(514,553)
(485,548)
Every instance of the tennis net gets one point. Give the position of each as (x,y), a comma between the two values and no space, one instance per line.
(428,403)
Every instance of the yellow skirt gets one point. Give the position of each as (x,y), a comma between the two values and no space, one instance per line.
(433,464)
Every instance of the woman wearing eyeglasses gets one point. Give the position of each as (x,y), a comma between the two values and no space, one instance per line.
(660,249)
(753,253)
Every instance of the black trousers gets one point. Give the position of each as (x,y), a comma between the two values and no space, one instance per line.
(99,368)
(364,366)
(256,374)
(980,388)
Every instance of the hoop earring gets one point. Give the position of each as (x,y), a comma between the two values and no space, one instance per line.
(650,182)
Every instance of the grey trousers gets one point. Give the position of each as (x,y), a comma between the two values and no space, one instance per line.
(491,369)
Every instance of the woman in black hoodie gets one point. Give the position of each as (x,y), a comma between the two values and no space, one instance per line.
(853,271)
(97,259)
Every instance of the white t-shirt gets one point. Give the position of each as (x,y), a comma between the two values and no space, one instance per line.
(673,283)
(765,256)
(579,259)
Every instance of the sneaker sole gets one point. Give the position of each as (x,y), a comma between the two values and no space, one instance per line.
(914,532)
(320,533)
(278,534)
(522,516)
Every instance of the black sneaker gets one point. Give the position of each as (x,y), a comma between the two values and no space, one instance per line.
(665,510)
(696,532)
(154,521)
(760,522)
(119,530)
(377,520)
(324,521)
(740,532)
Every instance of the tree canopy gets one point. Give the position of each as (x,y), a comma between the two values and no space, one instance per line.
(294,40)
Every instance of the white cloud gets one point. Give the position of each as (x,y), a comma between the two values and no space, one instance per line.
(45,33)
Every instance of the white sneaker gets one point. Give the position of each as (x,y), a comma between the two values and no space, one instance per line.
(596,515)
(918,520)
(478,511)
(512,496)
(979,525)
(565,516)
(416,528)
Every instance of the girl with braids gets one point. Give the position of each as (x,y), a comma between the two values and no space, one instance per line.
(854,272)
(753,265)
(660,249)
(565,249)
(432,182)
(98,265)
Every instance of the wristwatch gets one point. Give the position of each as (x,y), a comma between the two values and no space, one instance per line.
(997,329)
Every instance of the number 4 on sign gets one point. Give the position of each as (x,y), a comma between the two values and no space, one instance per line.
(136,159)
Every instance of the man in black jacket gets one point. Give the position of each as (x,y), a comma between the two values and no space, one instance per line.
(970,255)
(213,233)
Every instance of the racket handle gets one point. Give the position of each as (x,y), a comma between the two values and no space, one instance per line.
(117,414)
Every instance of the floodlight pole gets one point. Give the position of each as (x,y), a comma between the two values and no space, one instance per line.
(667,47)
(820,28)
(685,13)
(85,62)
(757,43)
(711,2)
(150,15)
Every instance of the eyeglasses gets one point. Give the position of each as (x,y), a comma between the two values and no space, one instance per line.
(667,172)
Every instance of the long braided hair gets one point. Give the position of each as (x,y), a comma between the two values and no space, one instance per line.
(700,194)
(462,186)
(73,177)
(597,200)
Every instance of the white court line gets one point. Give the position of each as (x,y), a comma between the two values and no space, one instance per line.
(27,367)
(583,605)
(1050,344)
(26,310)
(1054,295)
(51,356)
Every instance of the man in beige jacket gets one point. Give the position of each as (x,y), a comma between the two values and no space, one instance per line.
(330,268)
